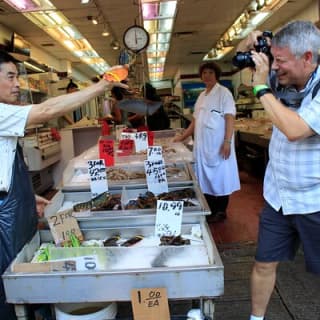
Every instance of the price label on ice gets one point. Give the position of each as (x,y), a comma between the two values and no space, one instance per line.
(156,176)
(168,218)
(98,177)
(155,153)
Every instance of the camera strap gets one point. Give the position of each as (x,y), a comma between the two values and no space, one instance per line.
(289,96)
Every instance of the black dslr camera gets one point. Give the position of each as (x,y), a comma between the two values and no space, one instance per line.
(244,59)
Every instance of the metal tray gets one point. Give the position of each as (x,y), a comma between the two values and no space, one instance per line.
(182,282)
(66,200)
(78,179)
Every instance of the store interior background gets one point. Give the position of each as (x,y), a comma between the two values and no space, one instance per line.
(197,27)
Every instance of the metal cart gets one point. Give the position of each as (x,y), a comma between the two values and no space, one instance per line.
(196,280)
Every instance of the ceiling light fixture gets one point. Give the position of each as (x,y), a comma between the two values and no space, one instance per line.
(25,5)
(115,45)
(158,19)
(93,19)
(85,1)
(256,13)
(105,32)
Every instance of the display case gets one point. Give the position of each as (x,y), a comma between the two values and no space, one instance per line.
(192,271)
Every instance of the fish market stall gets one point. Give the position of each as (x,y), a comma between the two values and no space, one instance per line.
(189,266)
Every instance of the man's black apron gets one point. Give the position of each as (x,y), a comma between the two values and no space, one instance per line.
(18,222)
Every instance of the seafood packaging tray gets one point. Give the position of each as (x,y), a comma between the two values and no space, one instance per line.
(78,179)
(115,204)
(186,271)
(172,153)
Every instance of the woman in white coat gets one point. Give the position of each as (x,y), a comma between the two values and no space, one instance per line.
(214,152)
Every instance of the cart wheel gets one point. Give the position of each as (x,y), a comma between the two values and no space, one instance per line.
(208,309)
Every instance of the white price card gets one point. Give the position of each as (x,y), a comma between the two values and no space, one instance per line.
(141,141)
(85,263)
(98,177)
(62,225)
(168,218)
(81,263)
(156,176)
(127,135)
(155,153)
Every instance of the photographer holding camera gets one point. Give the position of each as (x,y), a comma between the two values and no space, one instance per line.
(289,94)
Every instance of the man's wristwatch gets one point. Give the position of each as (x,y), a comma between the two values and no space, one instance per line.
(262,92)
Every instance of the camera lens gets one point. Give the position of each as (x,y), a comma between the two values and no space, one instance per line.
(243,60)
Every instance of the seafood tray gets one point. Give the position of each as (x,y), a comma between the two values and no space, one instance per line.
(172,153)
(186,271)
(114,205)
(78,179)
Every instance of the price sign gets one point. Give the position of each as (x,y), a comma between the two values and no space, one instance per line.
(98,177)
(62,225)
(156,176)
(141,141)
(106,151)
(168,218)
(150,304)
(127,135)
(154,153)
(126,146)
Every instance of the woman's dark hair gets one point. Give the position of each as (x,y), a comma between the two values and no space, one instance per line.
(212,66)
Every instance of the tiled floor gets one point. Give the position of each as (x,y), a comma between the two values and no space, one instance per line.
(242,215)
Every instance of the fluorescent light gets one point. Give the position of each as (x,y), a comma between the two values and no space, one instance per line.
(22,5)
(257,19)
(30,5)
(57,18)
(34,68)
(218,54)
(69,44)
(85,1)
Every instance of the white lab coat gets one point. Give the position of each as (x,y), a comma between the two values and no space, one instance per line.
(216,176)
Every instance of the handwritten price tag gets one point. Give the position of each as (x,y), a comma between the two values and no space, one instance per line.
(150,303)
(155,153)
(141,141)
(168,218)
(127,135)
(106,151)
(156,176)
(98,177)
(126,146)
(62,225)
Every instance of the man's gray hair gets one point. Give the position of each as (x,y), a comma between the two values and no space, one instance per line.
(299,37)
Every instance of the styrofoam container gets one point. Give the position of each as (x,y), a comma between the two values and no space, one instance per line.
(86,311)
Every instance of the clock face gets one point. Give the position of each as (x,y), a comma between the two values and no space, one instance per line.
(136,38)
